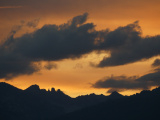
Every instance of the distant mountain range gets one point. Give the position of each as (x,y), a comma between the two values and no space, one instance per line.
(34,103)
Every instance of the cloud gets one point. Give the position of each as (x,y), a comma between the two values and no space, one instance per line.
(49,43)
(72,40)
(33,23)
(50,66)
(122,83)
(16,28)
(156,63)
(13,65)
(52,42)
(126,45)
(78,66)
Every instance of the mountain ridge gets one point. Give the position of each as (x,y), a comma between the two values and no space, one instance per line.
(141,106)
(49,105)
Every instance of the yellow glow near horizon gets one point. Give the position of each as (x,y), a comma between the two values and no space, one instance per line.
(76,80)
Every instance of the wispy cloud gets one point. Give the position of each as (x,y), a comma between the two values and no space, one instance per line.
(122,83)
(10,7)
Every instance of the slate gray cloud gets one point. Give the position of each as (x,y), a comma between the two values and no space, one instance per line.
(72,40)
(122,83)
(127,46)
(49,43)
(50,66)
(156,63)
(52,42)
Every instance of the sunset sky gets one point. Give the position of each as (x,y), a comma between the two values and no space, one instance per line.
(81,46)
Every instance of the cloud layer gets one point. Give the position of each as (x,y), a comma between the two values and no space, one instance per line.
(72,40)
(127,46)
(49,43)
(156,63)
(122,83)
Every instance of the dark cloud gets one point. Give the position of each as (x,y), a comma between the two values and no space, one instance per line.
(127,46)
(15,29)
(156,63)
(120,37)
(13,65)
(50,43)
(33,23)
(50,66)
(72,40)
(122,83)
(118,82)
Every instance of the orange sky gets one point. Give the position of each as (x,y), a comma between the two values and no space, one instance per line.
(75,77)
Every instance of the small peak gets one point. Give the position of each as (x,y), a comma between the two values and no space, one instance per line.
(60,92)
(4,83)
(156,89)
(43,90)
(33,88)
(7,87)
(93,94)
(53,90)
(115,94)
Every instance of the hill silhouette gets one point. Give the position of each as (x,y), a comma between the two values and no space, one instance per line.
(141,106)
(16,104)
(34,103)
(115,94)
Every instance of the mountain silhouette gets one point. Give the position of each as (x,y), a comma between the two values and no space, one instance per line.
(141,106)
(115,95)
(33,88)
(7,89)
(29,104)
(34,103)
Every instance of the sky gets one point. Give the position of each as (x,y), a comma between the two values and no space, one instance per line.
(81,46)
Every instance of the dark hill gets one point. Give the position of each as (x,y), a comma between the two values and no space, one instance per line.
(115,95)
(34,103)
(7,89)
(33,88)
(142,106)
(29,104)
